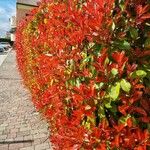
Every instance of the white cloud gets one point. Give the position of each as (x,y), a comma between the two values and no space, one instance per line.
(12,10)
(2,11)
(5,15)
(4,26)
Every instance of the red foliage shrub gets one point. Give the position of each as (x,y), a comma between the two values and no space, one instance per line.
(80,60)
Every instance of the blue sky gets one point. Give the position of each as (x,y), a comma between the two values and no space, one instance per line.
(7,9)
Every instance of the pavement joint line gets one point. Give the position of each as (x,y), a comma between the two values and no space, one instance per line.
(10,79)
(14,142)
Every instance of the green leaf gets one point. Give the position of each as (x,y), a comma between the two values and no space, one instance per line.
(106,62)
(122,45)
(101,112)
(141,73)
(138,73)
(123,119)
(135,122)
(113,108)
(134,33)
(121,5)
(78,82)
(97,48)
(107,103)
(115,91)
(93,71)
(125,45)
(98,86)
(114,71)
(72,82)
(147,43)
(125,85)
(87,59)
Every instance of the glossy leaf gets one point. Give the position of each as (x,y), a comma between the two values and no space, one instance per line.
(124,119)
(134,33)
(139,73)
(114,71)
(147,43)
(114,91)
(125,85)
(122,45)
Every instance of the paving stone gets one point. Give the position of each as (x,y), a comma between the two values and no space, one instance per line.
(11,135)
(37,141)
(29,137)
(19,120)
(27,148)
(19,138)
(9,140)
(3,147)
(23,133)
(6,131)
(15,146)
(2,128)
(4,125)
(14,130)
(42,135)
(3,137)
(27,145)
(25,129)
(42,146)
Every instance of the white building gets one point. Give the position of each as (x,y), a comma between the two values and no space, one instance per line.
(23,7)
(13,28)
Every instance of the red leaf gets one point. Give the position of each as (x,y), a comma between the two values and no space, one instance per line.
(139,86)
(119,57)
(117,141)
(142,10)
(145,119)
(129,122)
(147,90)
(123,109)
(119,127)
(146,16)
(145,104)
(139,110)
(131,68)
(144,53)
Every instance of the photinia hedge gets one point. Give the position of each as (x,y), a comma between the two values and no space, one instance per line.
(87,65)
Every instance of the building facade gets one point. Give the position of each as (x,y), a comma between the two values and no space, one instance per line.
(13,28)
(23,7)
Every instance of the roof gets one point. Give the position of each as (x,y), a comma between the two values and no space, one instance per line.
(28,2)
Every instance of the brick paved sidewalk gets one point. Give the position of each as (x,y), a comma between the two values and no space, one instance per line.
(20,125)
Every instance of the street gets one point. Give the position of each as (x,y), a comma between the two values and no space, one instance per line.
(3,57)
(21,127)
